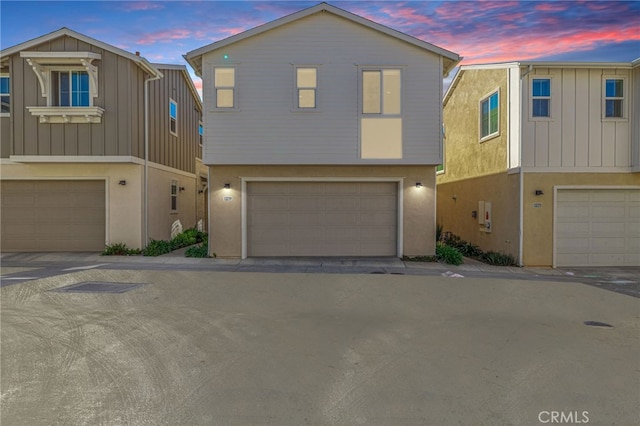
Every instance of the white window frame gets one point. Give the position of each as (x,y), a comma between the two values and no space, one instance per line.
(381,70)
(56,88)
(174,132)
(547,98)
(233,88)
(200,133)
(298,88)
(624,97)
(487,98)
(173,196)
(8,94)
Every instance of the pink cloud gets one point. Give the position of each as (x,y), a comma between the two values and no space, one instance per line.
(141,6)
(170,35)
(551,7)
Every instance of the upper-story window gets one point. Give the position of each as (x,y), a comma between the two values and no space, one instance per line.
(489,117)
(173,117)
(200,133)
(306,86)
(225,87)
(380,119)
(381,92)
(70,89)
(5,95)
(541,97)
(614,98)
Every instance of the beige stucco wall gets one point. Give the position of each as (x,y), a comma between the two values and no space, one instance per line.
(225,233)
(202,184)
(538,222)
(464,155)
(160,216)
(124,202)
(457,200)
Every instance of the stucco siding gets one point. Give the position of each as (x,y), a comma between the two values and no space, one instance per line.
(576,135)
(226,214)
(457,200)
(465,155)
(538,210)
(266,129)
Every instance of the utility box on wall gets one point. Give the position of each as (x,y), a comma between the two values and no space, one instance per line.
(484,215)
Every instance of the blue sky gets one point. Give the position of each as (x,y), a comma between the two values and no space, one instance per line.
(480,31)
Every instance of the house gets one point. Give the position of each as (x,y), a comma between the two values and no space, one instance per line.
(322,134)
(99,146)
(548,151)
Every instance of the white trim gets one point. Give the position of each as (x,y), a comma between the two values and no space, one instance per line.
(548,98)
(58,114)
(243,196)
(173,102)
(585,169)
(556,188)
(624,99)
(487,98)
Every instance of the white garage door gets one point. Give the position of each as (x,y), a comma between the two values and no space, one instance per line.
(598,227)
(51,215)
(322,218)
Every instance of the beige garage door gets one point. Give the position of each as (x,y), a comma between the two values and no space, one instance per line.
(53,215)
(322,218)
(598,227)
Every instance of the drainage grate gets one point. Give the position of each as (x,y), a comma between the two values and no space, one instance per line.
(98,287)
(597,324)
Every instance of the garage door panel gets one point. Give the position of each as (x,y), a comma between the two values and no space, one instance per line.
(52,215)
(322,219)
(597,227)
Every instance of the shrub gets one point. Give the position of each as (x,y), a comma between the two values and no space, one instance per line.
(157,247)
(448,254)
(499,259)
(119,249)
(438,232)
(420,258)
(198,251)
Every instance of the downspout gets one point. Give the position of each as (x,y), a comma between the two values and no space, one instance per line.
(145,203)
(521,208)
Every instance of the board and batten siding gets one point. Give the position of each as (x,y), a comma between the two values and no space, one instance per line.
(265,129)
(635,137)
(576,136)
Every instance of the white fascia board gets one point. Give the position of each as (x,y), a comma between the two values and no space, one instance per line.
(187,77)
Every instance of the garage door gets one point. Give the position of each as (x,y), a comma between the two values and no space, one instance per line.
(322,218)
(53,215)
(598,227)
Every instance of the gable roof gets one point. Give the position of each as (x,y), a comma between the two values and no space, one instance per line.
(195,56)
(140,61)
(186,76)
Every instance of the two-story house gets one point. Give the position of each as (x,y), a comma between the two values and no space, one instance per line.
(322,134)
(99,146)
(542,161)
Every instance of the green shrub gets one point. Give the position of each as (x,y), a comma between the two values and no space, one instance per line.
(183,240)
(420,258)
(438,232)
(198,251)
(448,254)
(157,247)
(119,249)
(499,259)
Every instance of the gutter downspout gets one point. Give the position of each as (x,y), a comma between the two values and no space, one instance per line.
(145,203)
(521,207)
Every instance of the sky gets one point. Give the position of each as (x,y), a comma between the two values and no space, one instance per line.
(480,31)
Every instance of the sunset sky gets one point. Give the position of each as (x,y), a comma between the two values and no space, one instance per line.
(480,31)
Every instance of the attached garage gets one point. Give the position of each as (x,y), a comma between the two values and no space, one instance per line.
(53,215)
(322,218)
(597,227)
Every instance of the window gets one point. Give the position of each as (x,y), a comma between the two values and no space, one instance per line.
(306,85)
(173,117)
(70,88)
(489,116)
(541,97)
(200,133)
(381,92)
(224,84)
(5,94)
(614,97)
(380,121)
(174,196)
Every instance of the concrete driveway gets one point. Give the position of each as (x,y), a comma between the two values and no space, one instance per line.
(240,348)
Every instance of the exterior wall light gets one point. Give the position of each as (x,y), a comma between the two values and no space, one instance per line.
(539,192)
(122,182)
(227,186)
(418,184)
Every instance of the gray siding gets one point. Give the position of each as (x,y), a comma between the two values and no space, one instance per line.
(265,130)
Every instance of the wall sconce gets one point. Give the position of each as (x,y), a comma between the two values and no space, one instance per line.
(181,188)
(418,184)
(455,197)
(227,186)
(122,182)
(539,192)
(474,214)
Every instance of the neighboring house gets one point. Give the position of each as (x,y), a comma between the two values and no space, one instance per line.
(322,134)
(549,151)
(76,172)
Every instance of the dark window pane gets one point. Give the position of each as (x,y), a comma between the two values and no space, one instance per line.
(614,88)
(541,87)
(4,85)
(64,89)
(5,104)
(613,108)
(540,108)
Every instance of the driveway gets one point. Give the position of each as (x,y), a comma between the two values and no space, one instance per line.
(255,348)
